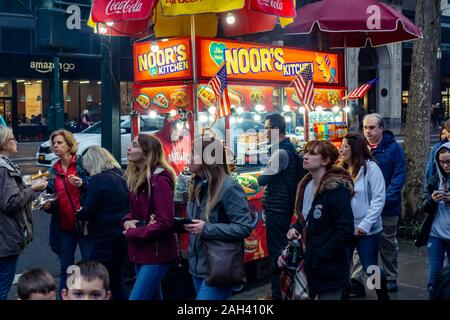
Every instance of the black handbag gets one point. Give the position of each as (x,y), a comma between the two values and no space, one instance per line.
(224,259)
(424,233)
(224,263)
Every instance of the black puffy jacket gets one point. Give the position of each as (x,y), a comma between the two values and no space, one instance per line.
(329,231)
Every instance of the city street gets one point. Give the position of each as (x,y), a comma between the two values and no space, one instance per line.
(412,261)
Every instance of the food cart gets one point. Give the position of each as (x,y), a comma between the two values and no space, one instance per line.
(258,77)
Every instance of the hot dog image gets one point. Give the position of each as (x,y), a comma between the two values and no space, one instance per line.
(207,96)
(143,101)
(160,100)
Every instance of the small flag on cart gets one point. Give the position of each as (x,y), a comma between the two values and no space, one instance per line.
(219,86)
(360,91)
(304,87)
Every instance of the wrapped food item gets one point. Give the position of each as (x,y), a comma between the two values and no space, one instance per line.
(160,100)
(42,199)
(30,179)
(143,101)
(207,96)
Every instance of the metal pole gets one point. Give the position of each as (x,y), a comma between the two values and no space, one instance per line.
(59,112)
(194,72)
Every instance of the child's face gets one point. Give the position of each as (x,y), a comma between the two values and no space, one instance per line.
(87,290)
(43,296)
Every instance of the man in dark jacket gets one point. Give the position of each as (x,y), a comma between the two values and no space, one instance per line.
(280,180)
(391,160)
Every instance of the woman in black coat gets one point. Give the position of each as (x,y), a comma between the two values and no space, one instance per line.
(103,207)
(323,204)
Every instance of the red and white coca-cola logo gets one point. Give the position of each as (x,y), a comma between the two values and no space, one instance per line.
(275,4)
(123,6)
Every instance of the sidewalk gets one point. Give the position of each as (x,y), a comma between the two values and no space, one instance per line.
(26,151)
(412,280)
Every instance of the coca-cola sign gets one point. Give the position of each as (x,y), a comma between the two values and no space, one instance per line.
(121,10)
(281,8)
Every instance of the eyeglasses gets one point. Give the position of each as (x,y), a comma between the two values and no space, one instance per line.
(446,162)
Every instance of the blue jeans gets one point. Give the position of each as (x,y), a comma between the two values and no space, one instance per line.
(205,292)
(368,248)
(69,242)
(148,281)
(436,253)
(8,267)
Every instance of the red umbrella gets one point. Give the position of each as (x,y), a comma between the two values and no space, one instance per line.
(354,23)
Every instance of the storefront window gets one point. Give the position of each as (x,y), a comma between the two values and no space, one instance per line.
(446,101)
(30,102)
(126,97)
(5,89)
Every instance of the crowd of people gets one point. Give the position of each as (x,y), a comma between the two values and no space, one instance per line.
(342,205)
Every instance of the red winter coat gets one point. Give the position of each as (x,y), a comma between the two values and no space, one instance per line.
(155,242)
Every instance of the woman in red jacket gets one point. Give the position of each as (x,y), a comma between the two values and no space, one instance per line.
(67,180)
(152,245)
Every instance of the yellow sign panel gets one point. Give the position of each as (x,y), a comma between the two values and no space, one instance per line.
(183,7)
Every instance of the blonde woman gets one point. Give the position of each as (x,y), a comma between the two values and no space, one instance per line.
(152,245)
(103,207)
(68,180)
(213,191)
(15,211)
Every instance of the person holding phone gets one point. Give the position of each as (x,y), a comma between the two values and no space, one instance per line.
(218,208)
(436,201)
(152,245)
(68,181)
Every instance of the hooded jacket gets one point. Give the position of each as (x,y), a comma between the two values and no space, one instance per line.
(392,162)
(440,210)
(329,231)
(232,206)
(154,242)
(16,226)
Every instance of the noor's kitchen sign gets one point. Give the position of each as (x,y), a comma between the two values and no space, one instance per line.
(170,60)
(246,61)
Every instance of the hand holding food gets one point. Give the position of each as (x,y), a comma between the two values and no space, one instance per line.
(39,185)
(75,181)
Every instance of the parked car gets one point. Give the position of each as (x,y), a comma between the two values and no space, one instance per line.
(92,137)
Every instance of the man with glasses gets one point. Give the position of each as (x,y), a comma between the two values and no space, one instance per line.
(391,160)
(280,179)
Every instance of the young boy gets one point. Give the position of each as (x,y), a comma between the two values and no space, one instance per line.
(36,284)
(87,280)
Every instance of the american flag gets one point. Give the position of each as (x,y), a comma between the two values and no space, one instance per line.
(304,86)
(219,86)
(360,91)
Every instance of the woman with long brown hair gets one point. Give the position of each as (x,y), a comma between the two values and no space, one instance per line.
(152,245)
(367,203)
(218,208)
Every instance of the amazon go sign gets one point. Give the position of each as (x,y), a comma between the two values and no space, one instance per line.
(46,67)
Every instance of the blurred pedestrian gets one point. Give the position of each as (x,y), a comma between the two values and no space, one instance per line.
(68,181)
(219,210)
(104,206)
(85,120)
(280,179)
(325,221)
(152,246)
(431,169)
(90,281)
(367,203)
(16,223)
(36,284)
(436,202)
(391,160)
